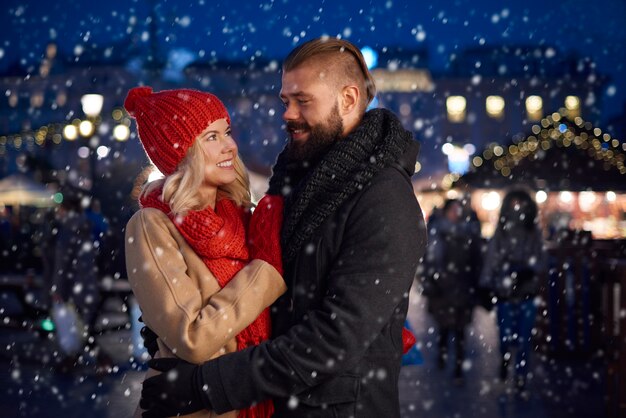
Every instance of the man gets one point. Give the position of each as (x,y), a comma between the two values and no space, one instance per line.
(450,278)
(352,237)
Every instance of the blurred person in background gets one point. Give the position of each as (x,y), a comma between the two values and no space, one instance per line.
(74,277)
(450,278)
(513,265)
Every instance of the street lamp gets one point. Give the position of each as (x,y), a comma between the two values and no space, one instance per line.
(121,132)
(92,106)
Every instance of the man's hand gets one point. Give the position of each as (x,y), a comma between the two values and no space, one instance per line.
(177,390)
(149,340)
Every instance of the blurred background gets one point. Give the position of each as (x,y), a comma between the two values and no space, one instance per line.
(499,94)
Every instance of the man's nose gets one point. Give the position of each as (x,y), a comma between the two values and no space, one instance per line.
(291,112)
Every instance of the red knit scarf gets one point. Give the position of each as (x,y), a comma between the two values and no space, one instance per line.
(219,238)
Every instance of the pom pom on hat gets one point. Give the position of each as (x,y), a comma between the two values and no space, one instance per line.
(169,121)
(130,104)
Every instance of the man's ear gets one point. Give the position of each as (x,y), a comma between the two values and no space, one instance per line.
(349,100)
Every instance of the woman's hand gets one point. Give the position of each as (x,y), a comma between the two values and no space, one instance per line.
(264,231)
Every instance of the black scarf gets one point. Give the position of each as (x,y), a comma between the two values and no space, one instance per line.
(312,194)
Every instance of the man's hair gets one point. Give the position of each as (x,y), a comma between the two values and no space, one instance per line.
(344,60)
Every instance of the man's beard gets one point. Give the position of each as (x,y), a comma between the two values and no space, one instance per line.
(321,138)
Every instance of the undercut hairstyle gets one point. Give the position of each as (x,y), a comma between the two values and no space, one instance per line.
(180,189)
(340,60)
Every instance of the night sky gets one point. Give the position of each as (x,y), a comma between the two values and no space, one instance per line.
(239,30)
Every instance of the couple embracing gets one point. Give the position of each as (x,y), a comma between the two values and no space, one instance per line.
(296,309)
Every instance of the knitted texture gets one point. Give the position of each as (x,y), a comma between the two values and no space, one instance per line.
(219,238)
(347,167)
(311,196)
(168,122)
(264,231)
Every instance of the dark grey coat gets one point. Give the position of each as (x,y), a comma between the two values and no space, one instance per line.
(450,271)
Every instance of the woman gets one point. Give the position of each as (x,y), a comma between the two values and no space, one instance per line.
(514,261)
(199,286)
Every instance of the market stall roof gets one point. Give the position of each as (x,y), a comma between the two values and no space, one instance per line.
(19,190)
(559,153)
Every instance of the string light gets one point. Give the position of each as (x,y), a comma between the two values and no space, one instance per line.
(69,131)
(552,131)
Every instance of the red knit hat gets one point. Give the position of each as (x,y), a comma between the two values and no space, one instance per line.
(169,121)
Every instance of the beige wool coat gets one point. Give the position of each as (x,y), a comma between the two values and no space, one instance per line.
(181,300)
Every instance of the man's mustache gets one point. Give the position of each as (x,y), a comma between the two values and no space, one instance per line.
(297,125)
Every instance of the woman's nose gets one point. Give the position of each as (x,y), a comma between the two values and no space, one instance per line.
(229,144)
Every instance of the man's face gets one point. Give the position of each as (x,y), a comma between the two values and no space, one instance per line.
(311,113)
(454,212)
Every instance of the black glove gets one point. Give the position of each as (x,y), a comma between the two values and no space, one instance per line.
(485,298)
(149,340)
(177,390)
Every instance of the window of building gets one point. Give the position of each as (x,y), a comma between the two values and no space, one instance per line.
(572,104)
(495,106)
(456,106)
(534,107)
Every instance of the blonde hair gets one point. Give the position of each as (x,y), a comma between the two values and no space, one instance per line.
(180,189)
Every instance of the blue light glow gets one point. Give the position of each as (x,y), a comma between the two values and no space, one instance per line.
(370,56)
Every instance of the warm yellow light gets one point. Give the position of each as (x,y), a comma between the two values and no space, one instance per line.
(566,197)
(541,196)
(495,106)
(534,107)
(36,99)
(586,201)
(13,100)
(92,104)
(490,201)
(572,103)
(452,194)
(70,132)
(456,106)
(61,98)
(117,114)
(121,132)
(51,51)
(572,107)
(86,128)
(534,103)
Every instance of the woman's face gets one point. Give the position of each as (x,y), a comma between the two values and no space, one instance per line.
(220,151)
